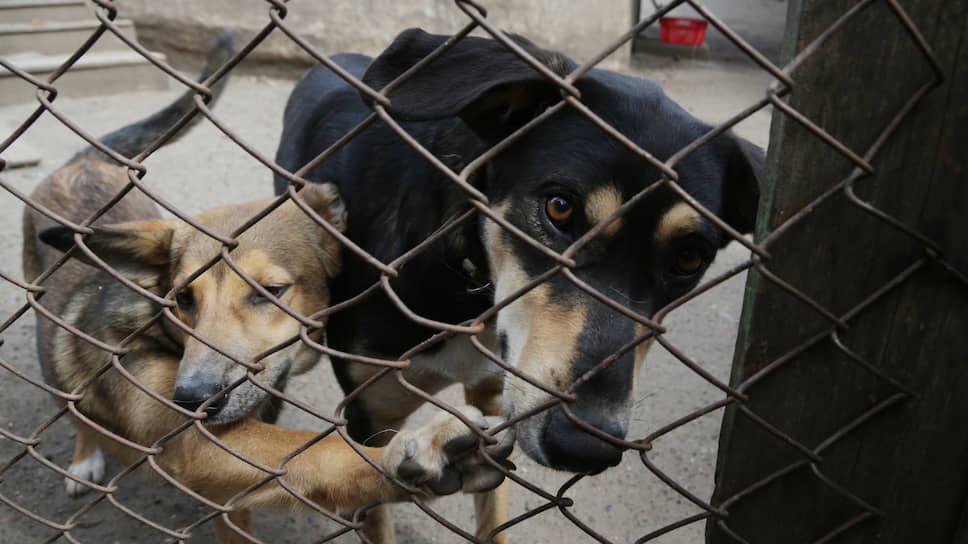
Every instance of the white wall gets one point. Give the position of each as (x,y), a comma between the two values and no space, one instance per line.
(578,28)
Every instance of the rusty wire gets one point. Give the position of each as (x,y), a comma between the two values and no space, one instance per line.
(785,82)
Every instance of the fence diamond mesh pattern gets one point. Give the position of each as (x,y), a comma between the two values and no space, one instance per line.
(27,443)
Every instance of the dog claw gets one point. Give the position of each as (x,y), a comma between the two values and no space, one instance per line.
(504,447)
(410,471)
(501,450)
(484,481)
(449,482)
(461,444)
(410,450)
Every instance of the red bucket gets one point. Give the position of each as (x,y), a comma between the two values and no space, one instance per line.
(682,30)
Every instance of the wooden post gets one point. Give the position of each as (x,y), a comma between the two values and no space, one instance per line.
(890,441)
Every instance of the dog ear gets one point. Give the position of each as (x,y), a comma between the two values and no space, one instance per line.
(480,80)
(324,199)
(744,174)
(137,249)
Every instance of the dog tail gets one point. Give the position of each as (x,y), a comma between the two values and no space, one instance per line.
(132,139)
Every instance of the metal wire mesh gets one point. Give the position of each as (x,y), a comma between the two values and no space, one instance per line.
(784,83)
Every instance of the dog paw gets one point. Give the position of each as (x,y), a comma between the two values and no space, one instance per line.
(443,457)
(90,469)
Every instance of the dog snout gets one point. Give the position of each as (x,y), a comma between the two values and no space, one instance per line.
(192,395)
(569,447)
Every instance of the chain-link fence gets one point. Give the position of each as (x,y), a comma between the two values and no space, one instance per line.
(774,257)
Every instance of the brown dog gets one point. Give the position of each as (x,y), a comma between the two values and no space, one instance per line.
(196,352)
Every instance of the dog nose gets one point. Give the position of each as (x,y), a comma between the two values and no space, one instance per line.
(570,448)
(190,397)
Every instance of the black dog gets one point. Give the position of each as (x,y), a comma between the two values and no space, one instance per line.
(560,179)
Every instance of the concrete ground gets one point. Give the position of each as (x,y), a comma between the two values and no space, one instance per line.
(206,169)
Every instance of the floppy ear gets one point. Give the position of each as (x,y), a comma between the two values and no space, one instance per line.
(138,249)
(324,199)
(480,80)
(741,191)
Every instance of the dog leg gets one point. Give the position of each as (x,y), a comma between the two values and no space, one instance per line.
(88,461)
(225,535)
(329,473)
(486,396)
(491,510)
(490,507)
(378,525)
(435,458)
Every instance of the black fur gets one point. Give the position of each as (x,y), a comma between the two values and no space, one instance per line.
(132,139)
(459,105)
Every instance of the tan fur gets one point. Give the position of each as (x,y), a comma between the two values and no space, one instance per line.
(540,343)
(677,221)
(88,462)
(286,247)
(491,508)
(486,395)
(547,342)
(641,350)
(393,403)
(225,534)
(545,339)
(85,443)
(601,203)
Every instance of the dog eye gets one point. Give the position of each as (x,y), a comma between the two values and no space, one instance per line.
(185,299)
(688,261)
(559,210)
(275,290)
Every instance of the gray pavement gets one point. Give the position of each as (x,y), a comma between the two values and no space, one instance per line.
(206,169)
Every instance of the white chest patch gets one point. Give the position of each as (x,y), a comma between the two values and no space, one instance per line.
(459,361)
